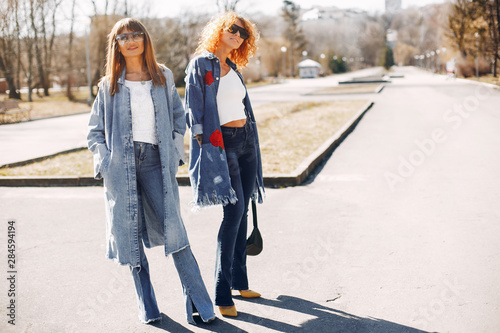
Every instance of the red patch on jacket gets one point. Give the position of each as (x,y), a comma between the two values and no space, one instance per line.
(216,139)
(209,79)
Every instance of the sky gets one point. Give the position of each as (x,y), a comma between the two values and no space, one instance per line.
(174,7)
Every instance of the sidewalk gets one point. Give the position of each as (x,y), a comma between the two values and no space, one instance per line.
(38,138)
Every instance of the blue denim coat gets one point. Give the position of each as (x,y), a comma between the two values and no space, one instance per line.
(110,140)
(208,168)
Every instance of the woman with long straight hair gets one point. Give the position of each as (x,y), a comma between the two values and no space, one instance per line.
(225,166)
(136,130)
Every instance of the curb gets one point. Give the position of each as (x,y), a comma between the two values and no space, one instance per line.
(297,177)
(379,88)
(367,81)
(38,159)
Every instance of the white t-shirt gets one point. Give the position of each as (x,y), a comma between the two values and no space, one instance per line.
(143,112)
(230,98)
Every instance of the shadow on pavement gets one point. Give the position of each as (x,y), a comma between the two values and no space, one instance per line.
(326,319)
(219,325)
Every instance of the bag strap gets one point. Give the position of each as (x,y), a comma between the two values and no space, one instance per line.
(254,214)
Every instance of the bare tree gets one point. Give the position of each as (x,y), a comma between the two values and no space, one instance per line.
(460,20)
(227,5)
(69,94)
(371,42)
(489,32)
(293,32)
(7,45)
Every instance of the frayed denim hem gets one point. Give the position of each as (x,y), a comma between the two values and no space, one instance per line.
(213,200)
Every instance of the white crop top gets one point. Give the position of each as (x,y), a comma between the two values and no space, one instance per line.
(230,98)
(143,112)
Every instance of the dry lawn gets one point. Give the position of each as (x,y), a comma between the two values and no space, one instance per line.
(57,104)
(366,88)
(288,133)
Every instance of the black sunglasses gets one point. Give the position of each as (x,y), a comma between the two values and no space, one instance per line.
(243,32)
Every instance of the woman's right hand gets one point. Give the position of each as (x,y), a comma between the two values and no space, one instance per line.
(199,137)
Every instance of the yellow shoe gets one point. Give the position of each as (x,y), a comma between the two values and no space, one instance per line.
(249,293)
(230,312)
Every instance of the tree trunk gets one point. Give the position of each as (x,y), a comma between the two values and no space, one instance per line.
(18,39)
(69,94)
(38,54)
(9,78)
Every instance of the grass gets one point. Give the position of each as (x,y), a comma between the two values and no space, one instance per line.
(348,89)
(288,133)
(292,131)
(489,78)
(57,104)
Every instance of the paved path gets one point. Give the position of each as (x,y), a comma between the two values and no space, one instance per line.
(28,140)
(32,139)
(395,234)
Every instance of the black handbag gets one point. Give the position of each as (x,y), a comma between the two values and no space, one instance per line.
(254,241)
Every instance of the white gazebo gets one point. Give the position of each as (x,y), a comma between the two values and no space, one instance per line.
(309,69)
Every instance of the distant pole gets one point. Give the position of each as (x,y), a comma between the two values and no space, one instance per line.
(283,50)
(477,55)
(87,53)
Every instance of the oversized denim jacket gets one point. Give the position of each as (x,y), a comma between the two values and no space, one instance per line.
(208,169)
(110,140)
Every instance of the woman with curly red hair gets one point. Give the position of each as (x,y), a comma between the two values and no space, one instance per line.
(225,166)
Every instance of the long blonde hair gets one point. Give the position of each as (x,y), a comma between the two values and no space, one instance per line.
(115,62)
(211,33)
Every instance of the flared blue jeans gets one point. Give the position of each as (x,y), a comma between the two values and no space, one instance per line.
(231,269)
(149,184)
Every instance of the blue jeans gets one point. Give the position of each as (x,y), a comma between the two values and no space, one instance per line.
(230,269)
(149,186)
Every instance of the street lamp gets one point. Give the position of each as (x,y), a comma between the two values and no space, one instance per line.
(304,53)
(477,55)
(283,50)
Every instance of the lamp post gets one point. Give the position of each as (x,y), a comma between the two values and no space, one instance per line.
(283,50)
(477,55)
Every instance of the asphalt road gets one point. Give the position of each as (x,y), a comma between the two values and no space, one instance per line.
(398,232)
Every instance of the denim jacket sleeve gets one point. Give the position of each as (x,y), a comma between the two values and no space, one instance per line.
(194,98)
(96,138)
(179,117)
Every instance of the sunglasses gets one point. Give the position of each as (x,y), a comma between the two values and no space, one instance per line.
(137,36)
(243,32)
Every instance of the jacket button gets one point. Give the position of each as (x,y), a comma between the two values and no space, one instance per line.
(216,78)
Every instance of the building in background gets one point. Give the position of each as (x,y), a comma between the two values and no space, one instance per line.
(309,69)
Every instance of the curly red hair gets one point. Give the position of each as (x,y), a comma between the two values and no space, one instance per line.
(211,34)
